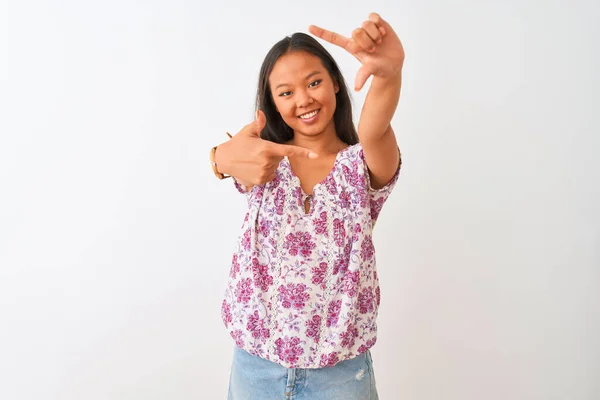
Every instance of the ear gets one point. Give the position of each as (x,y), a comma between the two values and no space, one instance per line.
(336,86)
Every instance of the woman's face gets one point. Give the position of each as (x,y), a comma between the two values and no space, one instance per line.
(304,93)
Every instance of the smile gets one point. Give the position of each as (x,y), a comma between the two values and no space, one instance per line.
(309,114)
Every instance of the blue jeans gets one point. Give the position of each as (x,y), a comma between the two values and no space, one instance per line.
(254,378)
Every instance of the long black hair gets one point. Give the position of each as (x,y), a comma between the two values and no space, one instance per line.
(276,130)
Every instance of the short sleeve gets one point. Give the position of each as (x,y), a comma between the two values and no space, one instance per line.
(253,196)
(240,188)
(377,197)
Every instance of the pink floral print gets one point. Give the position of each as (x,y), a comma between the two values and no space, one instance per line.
(288,349)
(262,279)
(349,336)
(235,267)
(243,290)
(329,360)
(321,224)
(366,301)
(293,295)
(257,327)
(313,327)
(226,313)
(366,248)
(333,312)
(303,289)
(319,273)
(300,243)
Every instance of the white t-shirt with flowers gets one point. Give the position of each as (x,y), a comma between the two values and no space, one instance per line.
(303,289)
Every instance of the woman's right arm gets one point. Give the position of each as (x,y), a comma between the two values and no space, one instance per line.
(251,160)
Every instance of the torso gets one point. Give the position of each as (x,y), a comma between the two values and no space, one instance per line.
(303,288)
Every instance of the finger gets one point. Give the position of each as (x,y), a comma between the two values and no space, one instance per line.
(382,24)
(372,31)
(250,130)
(377,20)
(363,40)
(255,127)
(266,178)
(260,121)
(272,176)
(283,150)
(334,38)
(361,78)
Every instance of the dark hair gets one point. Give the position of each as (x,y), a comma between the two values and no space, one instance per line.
(276,130)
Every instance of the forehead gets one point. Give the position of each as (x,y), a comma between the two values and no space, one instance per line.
(295,65)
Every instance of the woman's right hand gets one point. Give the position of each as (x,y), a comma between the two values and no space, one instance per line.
(252,160)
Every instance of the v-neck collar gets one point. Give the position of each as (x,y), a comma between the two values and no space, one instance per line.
(296,179)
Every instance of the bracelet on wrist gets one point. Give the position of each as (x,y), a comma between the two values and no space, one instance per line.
(213,163)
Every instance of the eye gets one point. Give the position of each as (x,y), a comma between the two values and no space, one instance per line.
(284,94)
(315,83)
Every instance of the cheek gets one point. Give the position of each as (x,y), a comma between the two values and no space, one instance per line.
(331,102)
(334,100)
(286,110)
(327,97)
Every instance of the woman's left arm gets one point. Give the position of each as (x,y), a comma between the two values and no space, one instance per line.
(375,133)
(378,48)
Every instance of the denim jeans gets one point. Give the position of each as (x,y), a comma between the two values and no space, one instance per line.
(254,378)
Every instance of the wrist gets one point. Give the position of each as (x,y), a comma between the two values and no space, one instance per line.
(216,163)
(219,163)
(220,158)
(388,81)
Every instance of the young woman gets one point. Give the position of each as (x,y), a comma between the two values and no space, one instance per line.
(303,292)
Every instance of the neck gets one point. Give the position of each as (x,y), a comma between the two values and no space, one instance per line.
(326,142)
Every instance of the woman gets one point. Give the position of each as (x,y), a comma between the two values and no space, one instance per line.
(303,293)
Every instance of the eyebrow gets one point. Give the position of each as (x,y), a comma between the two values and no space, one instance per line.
(307,77)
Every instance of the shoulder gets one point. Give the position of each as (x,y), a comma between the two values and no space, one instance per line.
(350,167)
(352,153)
(353,166)
(353,156)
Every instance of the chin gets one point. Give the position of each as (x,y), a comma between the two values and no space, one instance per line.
(312,131)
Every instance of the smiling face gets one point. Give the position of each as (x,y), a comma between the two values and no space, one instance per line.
(304,94)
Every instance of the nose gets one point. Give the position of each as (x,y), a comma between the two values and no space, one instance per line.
(303,98)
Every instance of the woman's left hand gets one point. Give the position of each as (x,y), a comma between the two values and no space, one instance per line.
(374,44)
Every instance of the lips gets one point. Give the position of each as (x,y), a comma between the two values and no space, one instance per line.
(309,114)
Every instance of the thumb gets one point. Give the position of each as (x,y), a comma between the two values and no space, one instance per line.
(260,122)
(283,150)
(361,78)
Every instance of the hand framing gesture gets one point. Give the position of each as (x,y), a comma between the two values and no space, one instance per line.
(374,44)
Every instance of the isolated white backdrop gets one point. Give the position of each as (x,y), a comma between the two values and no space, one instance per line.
(115,237)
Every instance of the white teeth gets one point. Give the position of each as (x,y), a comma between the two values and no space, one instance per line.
(309,115)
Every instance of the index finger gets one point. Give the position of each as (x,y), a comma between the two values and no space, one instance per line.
(332,37)
(283,150)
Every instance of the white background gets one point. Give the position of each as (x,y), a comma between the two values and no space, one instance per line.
(115,237)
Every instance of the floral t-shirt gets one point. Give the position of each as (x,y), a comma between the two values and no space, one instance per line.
(303,289)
